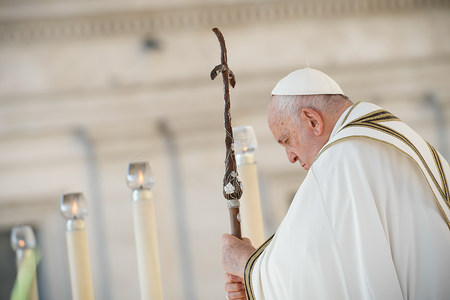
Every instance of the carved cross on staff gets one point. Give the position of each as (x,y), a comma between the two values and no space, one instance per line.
(232,187)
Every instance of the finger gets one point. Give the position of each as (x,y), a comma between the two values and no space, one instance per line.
(229,238)
(239,298)
(235,278)
(246,240)
(234,287)
(232,278)
(226,238)
(236,295)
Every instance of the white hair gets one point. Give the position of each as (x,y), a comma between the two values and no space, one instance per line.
(289,106)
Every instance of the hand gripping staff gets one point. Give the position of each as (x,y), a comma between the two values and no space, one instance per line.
(232,187)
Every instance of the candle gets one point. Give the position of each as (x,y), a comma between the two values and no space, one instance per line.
(24,243)
(140,180)
(74,209)
(251,215)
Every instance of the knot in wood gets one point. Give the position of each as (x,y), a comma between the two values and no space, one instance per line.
(223,68)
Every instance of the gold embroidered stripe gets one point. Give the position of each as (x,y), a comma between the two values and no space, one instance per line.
(350,111)
(377,116)
(249,269)
(371,121)
(438,162)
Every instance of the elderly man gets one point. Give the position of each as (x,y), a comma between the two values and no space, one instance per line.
(371,218)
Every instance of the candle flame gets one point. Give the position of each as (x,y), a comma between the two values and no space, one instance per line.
(74,208)
(21,243)
(141,178)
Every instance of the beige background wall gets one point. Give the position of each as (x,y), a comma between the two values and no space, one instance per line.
(86,86)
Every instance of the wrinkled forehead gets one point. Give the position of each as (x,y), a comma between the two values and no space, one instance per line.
(278,124)
(274,115)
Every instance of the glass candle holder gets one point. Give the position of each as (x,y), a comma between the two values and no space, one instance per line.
(140,176)
(245,144)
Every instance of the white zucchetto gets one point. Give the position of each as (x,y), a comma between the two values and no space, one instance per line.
(307,81)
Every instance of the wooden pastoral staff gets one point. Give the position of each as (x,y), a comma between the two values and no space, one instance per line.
(232,187)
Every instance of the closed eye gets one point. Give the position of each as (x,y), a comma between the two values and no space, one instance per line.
(283,141)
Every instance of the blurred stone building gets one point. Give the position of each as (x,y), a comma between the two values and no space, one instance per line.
(88,86)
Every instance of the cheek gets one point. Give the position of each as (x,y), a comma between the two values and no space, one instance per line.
(313,151)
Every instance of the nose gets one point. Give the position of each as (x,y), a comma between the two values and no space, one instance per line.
(292,157)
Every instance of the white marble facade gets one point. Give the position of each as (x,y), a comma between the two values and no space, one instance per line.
(88,86)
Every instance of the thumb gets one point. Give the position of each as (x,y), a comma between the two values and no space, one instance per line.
(247,240)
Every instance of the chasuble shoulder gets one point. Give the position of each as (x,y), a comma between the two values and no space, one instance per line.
(364,224)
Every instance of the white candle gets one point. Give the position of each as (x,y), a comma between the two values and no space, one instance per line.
(74,208)
(140,180)
(251,213)
(23,242)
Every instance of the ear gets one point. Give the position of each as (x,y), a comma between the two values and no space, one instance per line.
(312,120)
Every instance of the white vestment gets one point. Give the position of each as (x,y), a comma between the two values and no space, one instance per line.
(369,221)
